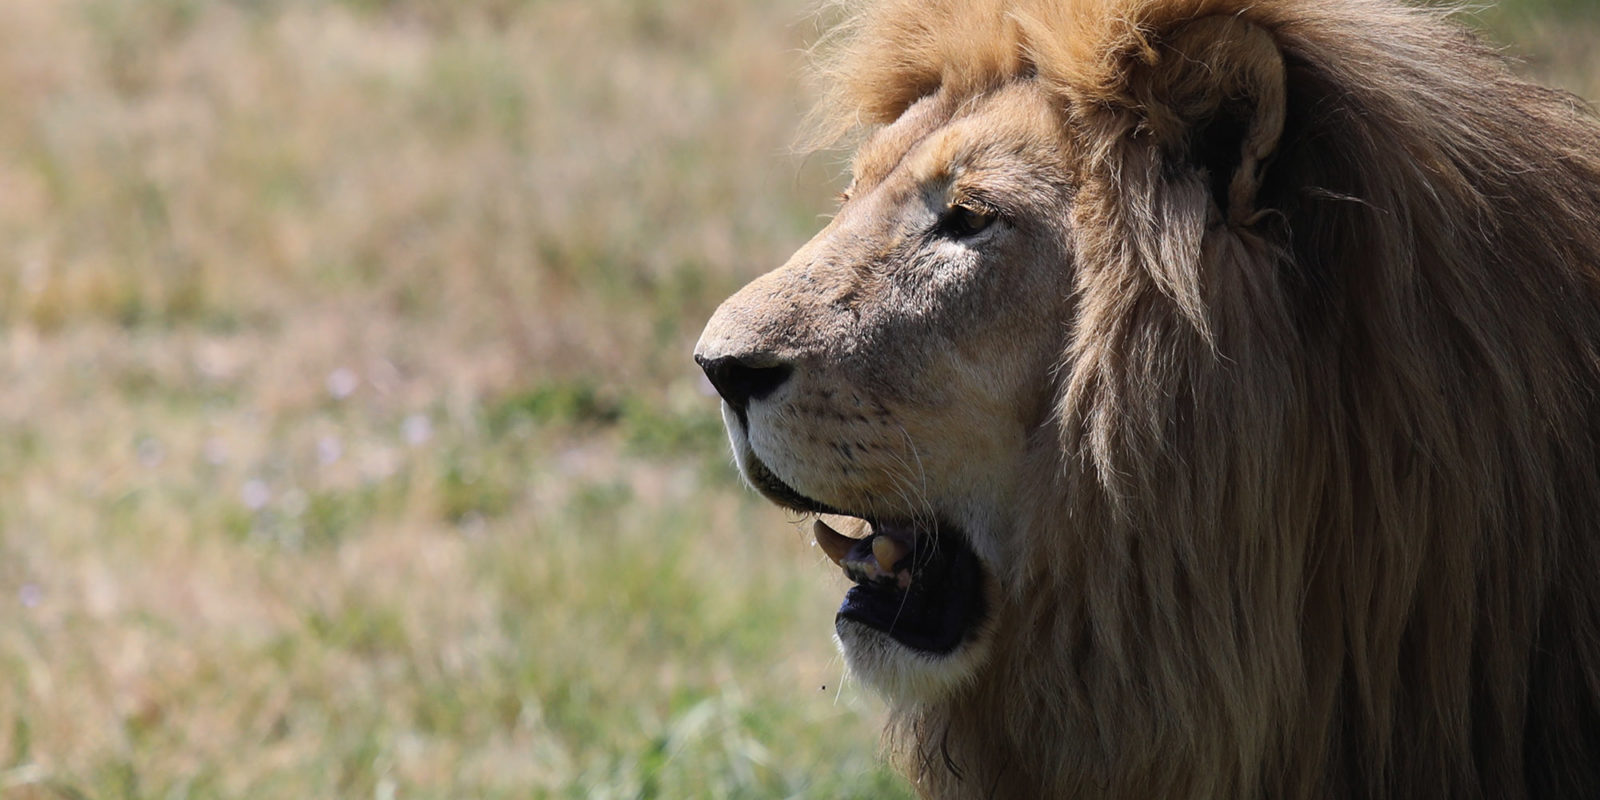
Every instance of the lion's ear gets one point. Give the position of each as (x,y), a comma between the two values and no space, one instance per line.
(1214,94)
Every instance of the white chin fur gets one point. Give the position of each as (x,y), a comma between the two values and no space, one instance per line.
(903,675)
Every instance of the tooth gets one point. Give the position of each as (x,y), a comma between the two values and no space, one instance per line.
(834,543)
(888,552)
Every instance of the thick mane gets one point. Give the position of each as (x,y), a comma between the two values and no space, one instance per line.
(1318,516)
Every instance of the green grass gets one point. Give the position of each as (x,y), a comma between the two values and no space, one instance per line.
(525,600)
(349,440)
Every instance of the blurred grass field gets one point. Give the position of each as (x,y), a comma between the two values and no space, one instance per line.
(349,441)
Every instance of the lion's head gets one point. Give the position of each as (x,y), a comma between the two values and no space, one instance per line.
(1215,388)
(897,369)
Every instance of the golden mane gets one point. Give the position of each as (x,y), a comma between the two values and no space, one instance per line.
(1325,519)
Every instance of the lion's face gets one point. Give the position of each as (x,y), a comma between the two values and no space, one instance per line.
(897,369)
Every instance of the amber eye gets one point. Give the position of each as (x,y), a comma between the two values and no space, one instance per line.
(962,220)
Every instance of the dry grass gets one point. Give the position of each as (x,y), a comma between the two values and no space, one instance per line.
(349,445)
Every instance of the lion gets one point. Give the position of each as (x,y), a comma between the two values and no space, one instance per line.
(1206,394)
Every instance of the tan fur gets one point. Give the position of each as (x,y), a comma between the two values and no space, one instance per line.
(1286,479)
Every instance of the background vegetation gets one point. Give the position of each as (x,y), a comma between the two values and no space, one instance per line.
(349,441)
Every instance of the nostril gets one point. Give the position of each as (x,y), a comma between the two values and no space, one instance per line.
(739,382)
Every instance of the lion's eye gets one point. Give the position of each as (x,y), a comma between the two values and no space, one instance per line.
(962,220)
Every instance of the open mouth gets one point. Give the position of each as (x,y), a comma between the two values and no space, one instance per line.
(919,584)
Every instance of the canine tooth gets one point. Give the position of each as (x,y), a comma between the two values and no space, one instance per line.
(834,543)
(888,552)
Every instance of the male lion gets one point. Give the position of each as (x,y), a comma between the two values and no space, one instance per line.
(1217,385)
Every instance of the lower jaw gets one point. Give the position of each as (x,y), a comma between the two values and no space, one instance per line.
(903,676)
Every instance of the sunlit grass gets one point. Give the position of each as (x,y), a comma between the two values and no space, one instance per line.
(349,442)
(358,592)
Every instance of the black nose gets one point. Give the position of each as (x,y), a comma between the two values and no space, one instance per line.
(738,382)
